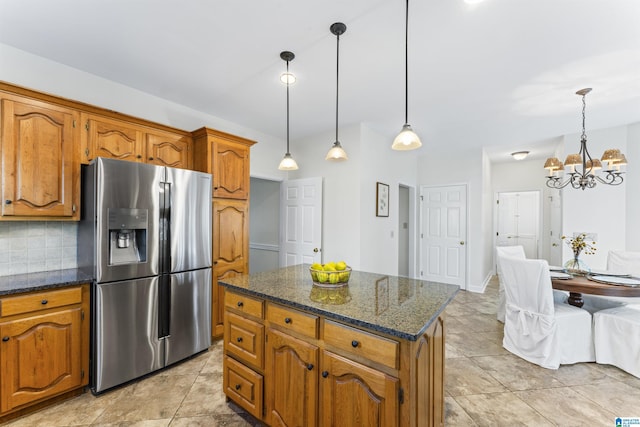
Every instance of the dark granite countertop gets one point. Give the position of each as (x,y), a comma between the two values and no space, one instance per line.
(43,280)
(392,305)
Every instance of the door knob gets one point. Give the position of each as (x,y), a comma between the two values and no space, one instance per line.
(316,250)
(462,242)
(554,244)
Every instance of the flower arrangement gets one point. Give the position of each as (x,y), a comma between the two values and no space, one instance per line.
(579,244)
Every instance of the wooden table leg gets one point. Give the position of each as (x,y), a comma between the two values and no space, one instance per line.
(575,299)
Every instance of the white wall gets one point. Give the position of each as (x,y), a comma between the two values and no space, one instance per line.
(632,182)
(34,72)
(439,168)
(600,210)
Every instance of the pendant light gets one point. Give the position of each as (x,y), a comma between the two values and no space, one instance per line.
(337,153)
(407,138)
(287,163)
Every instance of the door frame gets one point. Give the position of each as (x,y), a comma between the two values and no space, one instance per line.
(421,230)
(259,246)
(413,212)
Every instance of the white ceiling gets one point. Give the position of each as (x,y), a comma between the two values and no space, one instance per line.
(500,74)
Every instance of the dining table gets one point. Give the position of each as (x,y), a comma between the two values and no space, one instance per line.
(578,285)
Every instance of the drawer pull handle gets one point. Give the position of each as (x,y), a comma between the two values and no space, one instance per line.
(287,320)
(325,374)
(310,366)
(354,343)
(240,303)
(5,339)
(237,386)
(44,302)
(239,339)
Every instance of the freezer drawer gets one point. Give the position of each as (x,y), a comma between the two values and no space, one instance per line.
(126,343)
(190,314)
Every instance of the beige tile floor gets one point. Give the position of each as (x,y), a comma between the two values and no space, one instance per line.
(485,386)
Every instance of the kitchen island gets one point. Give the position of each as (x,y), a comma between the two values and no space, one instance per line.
(369,353)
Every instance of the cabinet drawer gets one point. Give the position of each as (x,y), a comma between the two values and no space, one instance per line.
(243,303)
(244,338)
(243,386)
(354,341)
(293,320)
(39,301)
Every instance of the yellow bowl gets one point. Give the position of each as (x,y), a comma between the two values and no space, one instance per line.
(330,278)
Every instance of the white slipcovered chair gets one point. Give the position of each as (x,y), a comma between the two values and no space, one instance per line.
(617,262)
(617,338)
(537,328)
(505,251)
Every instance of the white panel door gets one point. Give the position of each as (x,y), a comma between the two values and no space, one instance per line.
(301,221)
(518,220)
(555,240)
(444,234)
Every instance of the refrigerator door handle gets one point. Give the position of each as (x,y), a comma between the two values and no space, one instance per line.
(165,227)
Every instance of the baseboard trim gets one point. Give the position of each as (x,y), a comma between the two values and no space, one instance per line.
(481,288)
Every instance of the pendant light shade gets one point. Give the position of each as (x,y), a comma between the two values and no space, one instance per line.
(407,139)
(337,153)
(287,163)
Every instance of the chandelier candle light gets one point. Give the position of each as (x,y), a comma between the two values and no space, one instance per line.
(583,170)
(287,163)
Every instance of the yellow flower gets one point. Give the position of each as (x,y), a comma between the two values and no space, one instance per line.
(578,244)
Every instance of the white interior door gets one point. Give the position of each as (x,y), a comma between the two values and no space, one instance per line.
(444,234)
(555,213)
(518,220)
(301,221)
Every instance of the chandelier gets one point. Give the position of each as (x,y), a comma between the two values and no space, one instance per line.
(583,169)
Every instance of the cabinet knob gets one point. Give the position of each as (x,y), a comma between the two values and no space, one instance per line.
(325,374)
(239,339)
(240,304)
(310,366)
(7,202)
(237,386)
(138,156)
(287,320)
(5,339)
(44,302)
(150,158)
(354,343)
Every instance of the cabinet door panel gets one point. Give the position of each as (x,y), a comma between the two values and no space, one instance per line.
(231,170)
(292,381)
(115,140)
(217,297)
(38,159)
(28,375)
(172,150)
(230,233)
(355,395)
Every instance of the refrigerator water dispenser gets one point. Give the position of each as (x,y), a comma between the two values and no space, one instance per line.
(127,236)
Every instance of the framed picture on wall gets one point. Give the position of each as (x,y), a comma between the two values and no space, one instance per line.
(382,199)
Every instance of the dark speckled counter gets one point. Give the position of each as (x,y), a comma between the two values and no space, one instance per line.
(30,282)
(391,305)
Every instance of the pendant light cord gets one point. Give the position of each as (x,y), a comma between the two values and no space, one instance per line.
(337,80)
(406,66)
(287,107)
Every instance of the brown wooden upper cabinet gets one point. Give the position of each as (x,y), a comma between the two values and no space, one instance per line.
(40,165)
(227,158)
(117,139)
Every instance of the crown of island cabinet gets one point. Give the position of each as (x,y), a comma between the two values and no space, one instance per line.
(370,353)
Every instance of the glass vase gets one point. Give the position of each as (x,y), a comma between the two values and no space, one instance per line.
(576,266)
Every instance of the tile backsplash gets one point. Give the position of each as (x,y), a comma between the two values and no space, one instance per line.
(31,246)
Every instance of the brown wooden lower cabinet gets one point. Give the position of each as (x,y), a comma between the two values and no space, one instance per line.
(44,350)
(319,372)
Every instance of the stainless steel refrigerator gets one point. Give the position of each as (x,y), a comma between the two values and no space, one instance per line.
(145,235)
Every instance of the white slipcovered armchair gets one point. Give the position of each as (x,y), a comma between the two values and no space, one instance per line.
(617,338)
(505,251)
(626,262)
(537,328)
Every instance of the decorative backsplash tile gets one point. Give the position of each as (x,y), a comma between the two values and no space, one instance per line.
(31,246)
